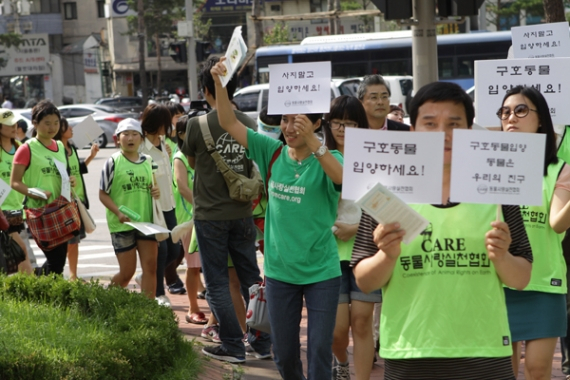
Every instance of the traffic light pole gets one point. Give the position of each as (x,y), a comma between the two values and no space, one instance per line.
(424,44)
(191,54)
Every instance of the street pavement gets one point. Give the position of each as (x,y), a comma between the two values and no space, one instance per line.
(97,260)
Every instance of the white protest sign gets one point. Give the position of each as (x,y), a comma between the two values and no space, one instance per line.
(148,228)
(494,78)
(65,184)
(409,164)
(299,88)
(235,55)
(497,168)
(86,132)
(4,191)
(541,41)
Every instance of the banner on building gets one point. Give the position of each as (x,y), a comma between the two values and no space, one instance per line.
(31,57)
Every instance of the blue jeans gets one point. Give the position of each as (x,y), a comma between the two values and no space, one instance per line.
(168,251)
(217,239)
(285,303)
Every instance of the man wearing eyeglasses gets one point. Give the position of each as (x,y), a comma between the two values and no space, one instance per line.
(374,94)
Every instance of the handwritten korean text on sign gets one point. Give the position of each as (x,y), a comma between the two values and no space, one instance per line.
(299,88)
(410,165)
(497,167)
(494,78)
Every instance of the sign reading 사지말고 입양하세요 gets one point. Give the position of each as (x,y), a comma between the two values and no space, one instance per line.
(410,165)
(541,41)
(299,88)
(497,167)
(494,78)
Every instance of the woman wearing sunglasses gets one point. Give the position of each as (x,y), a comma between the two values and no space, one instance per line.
(537,315)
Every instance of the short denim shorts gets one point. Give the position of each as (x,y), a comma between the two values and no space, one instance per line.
(350,291)
(127,240)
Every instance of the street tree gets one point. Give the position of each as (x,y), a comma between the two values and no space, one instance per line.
(159,18)
(500,10)
(554,10)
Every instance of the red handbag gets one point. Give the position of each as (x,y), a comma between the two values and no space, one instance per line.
(4,224)
(54,224)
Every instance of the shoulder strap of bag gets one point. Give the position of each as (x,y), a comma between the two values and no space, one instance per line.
(273,158)
(211,146)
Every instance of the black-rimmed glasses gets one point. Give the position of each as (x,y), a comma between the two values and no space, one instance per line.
(338,124)
(520,111)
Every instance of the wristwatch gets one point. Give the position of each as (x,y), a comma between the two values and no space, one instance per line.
(321,151)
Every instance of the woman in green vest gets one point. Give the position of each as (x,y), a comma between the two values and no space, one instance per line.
(443,313)
(78,167)
(537,315)
(34,168)
(12,206)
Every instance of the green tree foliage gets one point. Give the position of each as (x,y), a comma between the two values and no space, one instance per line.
(159,17)
(202,24)
(10,39)
(505,9)
(278,35)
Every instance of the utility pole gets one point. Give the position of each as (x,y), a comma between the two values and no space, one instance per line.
(142,69)
(191,53)
(424,44)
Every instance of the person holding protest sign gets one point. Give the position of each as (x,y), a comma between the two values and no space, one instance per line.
(445,322)
(301,258)
(537,315)
(355,308)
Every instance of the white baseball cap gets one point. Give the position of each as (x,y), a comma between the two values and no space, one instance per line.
(7,117)
(128,124)
(273,131)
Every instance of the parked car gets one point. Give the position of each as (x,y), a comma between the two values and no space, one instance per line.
(131,103)
(107,118)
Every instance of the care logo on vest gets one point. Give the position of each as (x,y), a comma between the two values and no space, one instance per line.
(136,183)
(51,169)
(444,256)
(533,218)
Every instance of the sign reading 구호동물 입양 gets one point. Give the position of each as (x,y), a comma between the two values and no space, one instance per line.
(299,88)
(410,165)
(497,167)
(494,78)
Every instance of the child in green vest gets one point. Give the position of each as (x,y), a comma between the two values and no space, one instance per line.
(537,315)
(127,180)
(443,313)
(77,167)
(34,167)
(12,206)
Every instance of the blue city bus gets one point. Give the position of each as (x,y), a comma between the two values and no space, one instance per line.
(388,53)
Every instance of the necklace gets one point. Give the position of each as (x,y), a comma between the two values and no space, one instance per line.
(296,165)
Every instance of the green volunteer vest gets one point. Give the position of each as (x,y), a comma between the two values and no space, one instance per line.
(548,268)
(173,148)
(564,148)
(42,172)
(75,171)
(15,199)
(183,208)
(345,248)
(444,299)
(130,188)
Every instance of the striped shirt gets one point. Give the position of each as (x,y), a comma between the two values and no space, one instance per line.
(453,368)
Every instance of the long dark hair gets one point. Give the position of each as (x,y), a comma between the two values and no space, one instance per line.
(344,107)
(544,121)
(155,116)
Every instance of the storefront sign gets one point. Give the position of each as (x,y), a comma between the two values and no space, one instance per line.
(31,57)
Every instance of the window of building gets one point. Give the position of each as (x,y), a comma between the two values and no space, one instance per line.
(70,11)
(100,8)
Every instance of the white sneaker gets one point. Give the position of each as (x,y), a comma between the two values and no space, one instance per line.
(138,280)
(163,301)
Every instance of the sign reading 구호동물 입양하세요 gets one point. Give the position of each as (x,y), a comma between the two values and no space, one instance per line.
(299,88)
(541,41)
(410,165)
(494,78)
(497,167)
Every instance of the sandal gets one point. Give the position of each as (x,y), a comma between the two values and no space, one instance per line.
(196,318)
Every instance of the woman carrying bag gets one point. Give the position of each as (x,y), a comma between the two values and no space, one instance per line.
(34,168)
